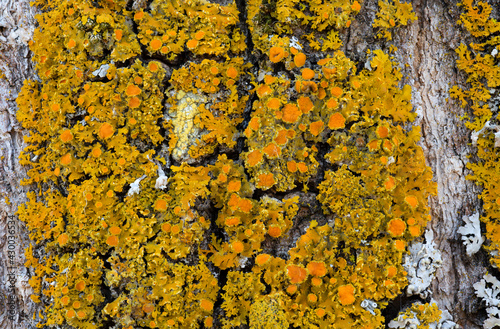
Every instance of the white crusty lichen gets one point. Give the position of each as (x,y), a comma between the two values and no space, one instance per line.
(493,319)
(369,305)
(135,187)
(162,180)
(487,126)
(471,234)
(405,321)
(423,316)
(421,263)
(101,71)
(182,118)
(489,290)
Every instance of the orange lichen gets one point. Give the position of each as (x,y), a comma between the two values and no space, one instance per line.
(264,90)
(238,246)
(112,241)
(332,103)
(96,152)
(291,113)
(291,166)
(305,104)
(175,229)
(132,90)
(272,151)
(388,146)
(106,131)
(414,230)
(299,59)
(234,186)
(316,281)
(356,6)
(291,289)
(232,72)
(391,271)
(337,121)
(316,127)
(255,122)
(274,231)
(62,239)
(155,44)
(207,305)
(192,43)
(396,227)
(134,102)
(346,294)
(65,300)
(80,285)
(262,259)
(148,308)
(282,137)
(412,201)
(115,230)
(199,35)
(297,274)
(308,74)
(390,183)
(400,245)
(374,145)
(66,136)
(382,132)
(254,158)
(312,298)
(66,159)
(276,54)
(70,313)
(118,34)
(317,269)
(302,167)
(155,205)
(273,103)
(336,91)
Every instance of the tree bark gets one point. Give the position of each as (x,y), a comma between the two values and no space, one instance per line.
(17,23)
(427,57)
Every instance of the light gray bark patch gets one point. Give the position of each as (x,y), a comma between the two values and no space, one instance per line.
(17,24)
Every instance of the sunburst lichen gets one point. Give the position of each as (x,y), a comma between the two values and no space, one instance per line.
(157,177)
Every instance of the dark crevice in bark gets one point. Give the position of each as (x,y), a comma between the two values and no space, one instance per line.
(398,304)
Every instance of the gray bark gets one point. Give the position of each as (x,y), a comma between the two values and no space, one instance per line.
(16,27)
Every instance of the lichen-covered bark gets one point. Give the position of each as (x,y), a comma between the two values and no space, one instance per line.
(16,27)
(426,52)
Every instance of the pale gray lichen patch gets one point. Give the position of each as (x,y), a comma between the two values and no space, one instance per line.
(182,117)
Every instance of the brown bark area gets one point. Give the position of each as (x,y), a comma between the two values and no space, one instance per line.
(429,45)
(16,25)
(426,53)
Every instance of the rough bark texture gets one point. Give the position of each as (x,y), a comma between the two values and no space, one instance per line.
(16,25)
(426,53)
(432,72)
(427,57)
